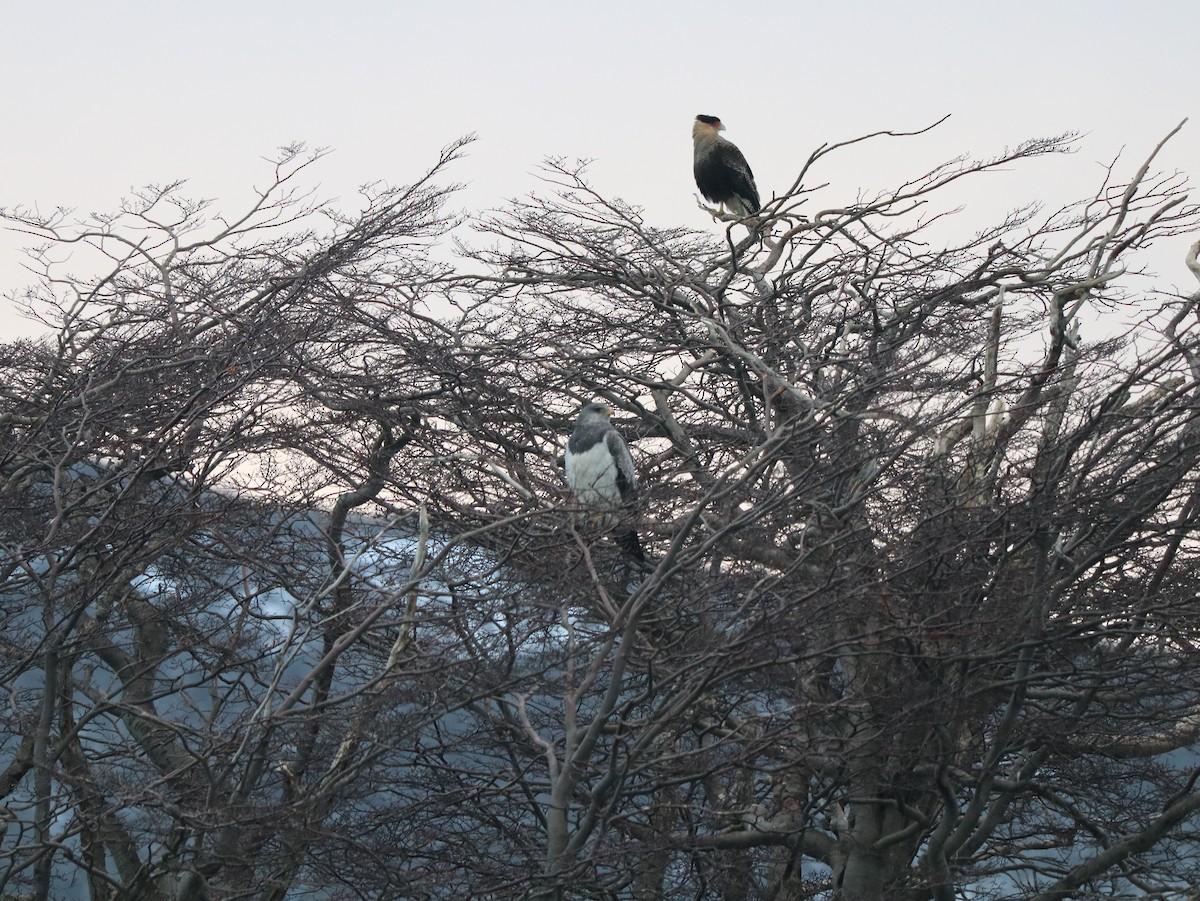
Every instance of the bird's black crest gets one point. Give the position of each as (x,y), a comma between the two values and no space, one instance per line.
(708,120)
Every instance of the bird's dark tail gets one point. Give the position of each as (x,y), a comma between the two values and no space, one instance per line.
(632,545)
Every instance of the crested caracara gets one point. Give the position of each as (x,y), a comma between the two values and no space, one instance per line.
(722,173)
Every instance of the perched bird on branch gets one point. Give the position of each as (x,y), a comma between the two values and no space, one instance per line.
(722,173)
(600,471)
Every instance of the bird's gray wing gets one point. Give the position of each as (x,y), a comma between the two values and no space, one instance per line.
(741,177)
(626,478)
(737,160)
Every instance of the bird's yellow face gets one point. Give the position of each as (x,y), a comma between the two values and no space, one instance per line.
(706,130)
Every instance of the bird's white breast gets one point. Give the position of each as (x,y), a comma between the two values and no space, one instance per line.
(593,475)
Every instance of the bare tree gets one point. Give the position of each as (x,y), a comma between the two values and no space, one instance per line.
(298,600)
(184,462)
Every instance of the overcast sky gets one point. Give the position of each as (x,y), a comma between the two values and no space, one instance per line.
(99,97)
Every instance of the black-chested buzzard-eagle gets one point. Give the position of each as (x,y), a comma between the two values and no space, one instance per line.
(600,470)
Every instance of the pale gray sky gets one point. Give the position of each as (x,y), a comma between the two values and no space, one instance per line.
(101,97)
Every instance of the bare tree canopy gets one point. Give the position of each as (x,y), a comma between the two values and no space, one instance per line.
(297,602)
